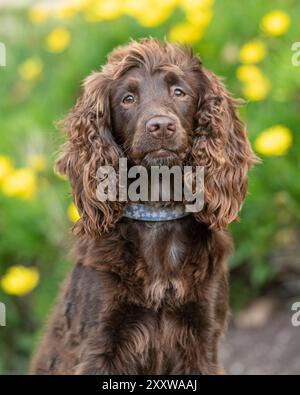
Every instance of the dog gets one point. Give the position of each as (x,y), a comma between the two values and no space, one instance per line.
(148,297)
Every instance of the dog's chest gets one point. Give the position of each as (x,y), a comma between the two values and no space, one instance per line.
(165,252)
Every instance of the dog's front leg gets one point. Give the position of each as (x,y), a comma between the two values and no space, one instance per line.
(191,339)
(120,343)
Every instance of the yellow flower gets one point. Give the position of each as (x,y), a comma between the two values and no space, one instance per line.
(276,23)
(253,52)
(31,69)
(190,6)
(20,183)
(134,7)
(104,9)
(153,18)
(248,73)
(149,12)
(200,18)
(198,15)
(20,280)
(37,162)
(110,9)
(256,85)
(6,167)
(258,89)
(69,9)
(73,213)
(58,40)
(38,14)
(185,33)
(274,141)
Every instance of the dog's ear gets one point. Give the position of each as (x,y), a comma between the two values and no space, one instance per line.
(220,144)
(90,144)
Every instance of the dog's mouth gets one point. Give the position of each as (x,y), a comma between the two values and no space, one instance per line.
(162,156)
(162,153)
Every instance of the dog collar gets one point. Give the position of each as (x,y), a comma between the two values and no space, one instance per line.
(142,212)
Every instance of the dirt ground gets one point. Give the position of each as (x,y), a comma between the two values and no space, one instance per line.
(273,348)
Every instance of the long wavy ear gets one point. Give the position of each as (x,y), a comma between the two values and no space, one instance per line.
(90,144)
(222,147)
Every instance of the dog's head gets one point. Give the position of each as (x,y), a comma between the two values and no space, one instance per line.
(155,103)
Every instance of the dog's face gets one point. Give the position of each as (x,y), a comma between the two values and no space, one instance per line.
(155,104)
(153,115)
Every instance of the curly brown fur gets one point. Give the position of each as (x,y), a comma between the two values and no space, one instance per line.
(148,297)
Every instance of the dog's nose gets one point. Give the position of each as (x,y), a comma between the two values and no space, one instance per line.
(160,127)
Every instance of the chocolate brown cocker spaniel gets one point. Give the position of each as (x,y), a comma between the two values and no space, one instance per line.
(148,297)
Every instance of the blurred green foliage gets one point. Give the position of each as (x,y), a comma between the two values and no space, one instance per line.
(35,231)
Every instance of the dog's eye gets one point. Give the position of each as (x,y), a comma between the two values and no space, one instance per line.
(178,92)
(129,99)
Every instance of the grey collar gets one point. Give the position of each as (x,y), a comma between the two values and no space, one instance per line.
(143,212)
